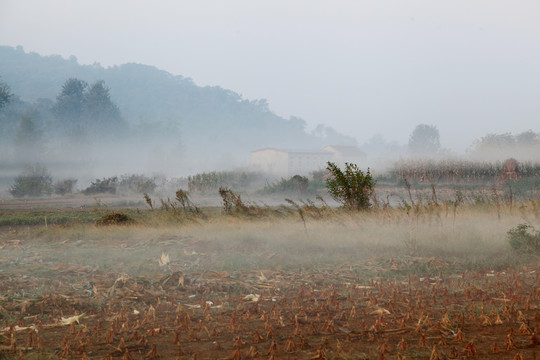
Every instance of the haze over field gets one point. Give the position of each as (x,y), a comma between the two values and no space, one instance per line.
(232,179)
(361,67)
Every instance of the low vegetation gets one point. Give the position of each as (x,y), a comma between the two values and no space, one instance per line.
(33,181)
(212,181)
(126,184)
(460,171)
(103,186)
(136,184)
(114,218)
(297,185)
(64,187)
(524,238)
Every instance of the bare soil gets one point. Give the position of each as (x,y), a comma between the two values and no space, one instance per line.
(104,299)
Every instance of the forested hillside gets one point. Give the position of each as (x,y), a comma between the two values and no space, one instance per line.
(149,95)
(132,117)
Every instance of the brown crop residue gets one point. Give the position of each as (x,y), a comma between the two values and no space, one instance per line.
(72,311)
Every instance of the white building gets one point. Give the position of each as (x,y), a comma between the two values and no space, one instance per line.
(283,163)
(349,154)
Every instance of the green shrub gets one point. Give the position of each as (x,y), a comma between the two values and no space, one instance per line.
(33,181)
(350,187)
(524,238)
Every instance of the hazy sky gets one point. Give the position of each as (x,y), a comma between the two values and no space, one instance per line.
(364,67)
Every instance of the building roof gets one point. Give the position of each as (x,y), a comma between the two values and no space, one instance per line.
(269,148)
(296,152)
(345,150)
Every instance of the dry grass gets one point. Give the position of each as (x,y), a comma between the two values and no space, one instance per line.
(470,238)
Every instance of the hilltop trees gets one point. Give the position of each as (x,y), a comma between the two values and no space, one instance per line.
(70,102)
(21,125)
(99,111)
(524,146)
(5,94)
(86,110)
(68,108)
(208,118)
(494,142)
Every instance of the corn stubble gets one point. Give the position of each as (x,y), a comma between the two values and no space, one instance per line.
(437,280)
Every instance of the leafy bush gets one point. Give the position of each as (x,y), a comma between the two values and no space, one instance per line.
(104,186)
(63,187)
(350,187)
(33,181)
(524,238)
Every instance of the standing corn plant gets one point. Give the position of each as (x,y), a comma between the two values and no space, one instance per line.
(350,187)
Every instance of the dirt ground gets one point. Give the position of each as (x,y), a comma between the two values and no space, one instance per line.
(104,299)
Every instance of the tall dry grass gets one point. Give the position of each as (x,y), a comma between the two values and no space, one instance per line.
(427,237)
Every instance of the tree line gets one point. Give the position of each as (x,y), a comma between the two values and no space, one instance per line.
(80,114)
(83,110)
(424,141)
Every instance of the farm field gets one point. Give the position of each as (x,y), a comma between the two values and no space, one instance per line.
(429,282)
(242,180)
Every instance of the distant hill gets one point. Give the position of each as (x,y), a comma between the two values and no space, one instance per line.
(163,124)
(211,116)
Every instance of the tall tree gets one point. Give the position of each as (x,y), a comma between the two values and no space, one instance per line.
(101,114)
(84,110)
(69,106)
(424,140)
